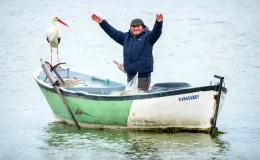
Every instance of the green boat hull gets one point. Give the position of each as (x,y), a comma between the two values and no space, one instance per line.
(90,111)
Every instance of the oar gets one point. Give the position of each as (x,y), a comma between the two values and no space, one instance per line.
(57,89)
(118,65)
(53,68)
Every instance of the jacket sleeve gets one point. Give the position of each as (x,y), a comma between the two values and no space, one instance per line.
(116,35)
(156,32)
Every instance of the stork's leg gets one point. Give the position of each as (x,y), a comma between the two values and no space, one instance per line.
(58,55)
(58,58)
(51,55)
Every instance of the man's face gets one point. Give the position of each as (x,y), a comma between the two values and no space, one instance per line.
(137,29)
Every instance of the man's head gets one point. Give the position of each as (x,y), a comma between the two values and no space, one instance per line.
(137,26)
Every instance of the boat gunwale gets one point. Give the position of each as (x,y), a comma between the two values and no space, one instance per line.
(84,95)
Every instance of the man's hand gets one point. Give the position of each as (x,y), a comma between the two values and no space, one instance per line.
(120,66)
(96,18)
(159,17)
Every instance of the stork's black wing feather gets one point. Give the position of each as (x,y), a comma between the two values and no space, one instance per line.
(59,40)
(47,40)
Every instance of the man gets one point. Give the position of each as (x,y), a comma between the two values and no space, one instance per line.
(138,46)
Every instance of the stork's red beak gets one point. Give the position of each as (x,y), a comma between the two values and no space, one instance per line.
(59,20)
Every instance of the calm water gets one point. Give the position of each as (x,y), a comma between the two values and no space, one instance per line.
(200,38)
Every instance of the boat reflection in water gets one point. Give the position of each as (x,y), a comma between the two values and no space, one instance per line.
(67,142)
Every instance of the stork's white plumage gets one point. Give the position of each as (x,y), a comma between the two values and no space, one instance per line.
(53,35)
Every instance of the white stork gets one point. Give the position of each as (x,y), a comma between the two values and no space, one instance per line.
(53,35)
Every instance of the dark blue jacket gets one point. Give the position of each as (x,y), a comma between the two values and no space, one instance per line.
(138,55)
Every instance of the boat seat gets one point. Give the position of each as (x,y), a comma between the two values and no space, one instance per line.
(160,87)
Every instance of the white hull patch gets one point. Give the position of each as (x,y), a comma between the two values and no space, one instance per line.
(192,110)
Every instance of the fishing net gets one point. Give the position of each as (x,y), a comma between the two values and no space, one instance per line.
(68,82)
(131,88)
(71,83)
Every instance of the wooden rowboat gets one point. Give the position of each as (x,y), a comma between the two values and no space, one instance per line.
(101,103)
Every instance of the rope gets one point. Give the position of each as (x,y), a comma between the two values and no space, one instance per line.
(71,83)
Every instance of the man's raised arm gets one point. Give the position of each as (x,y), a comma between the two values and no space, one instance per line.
(157,29)
(116,35)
